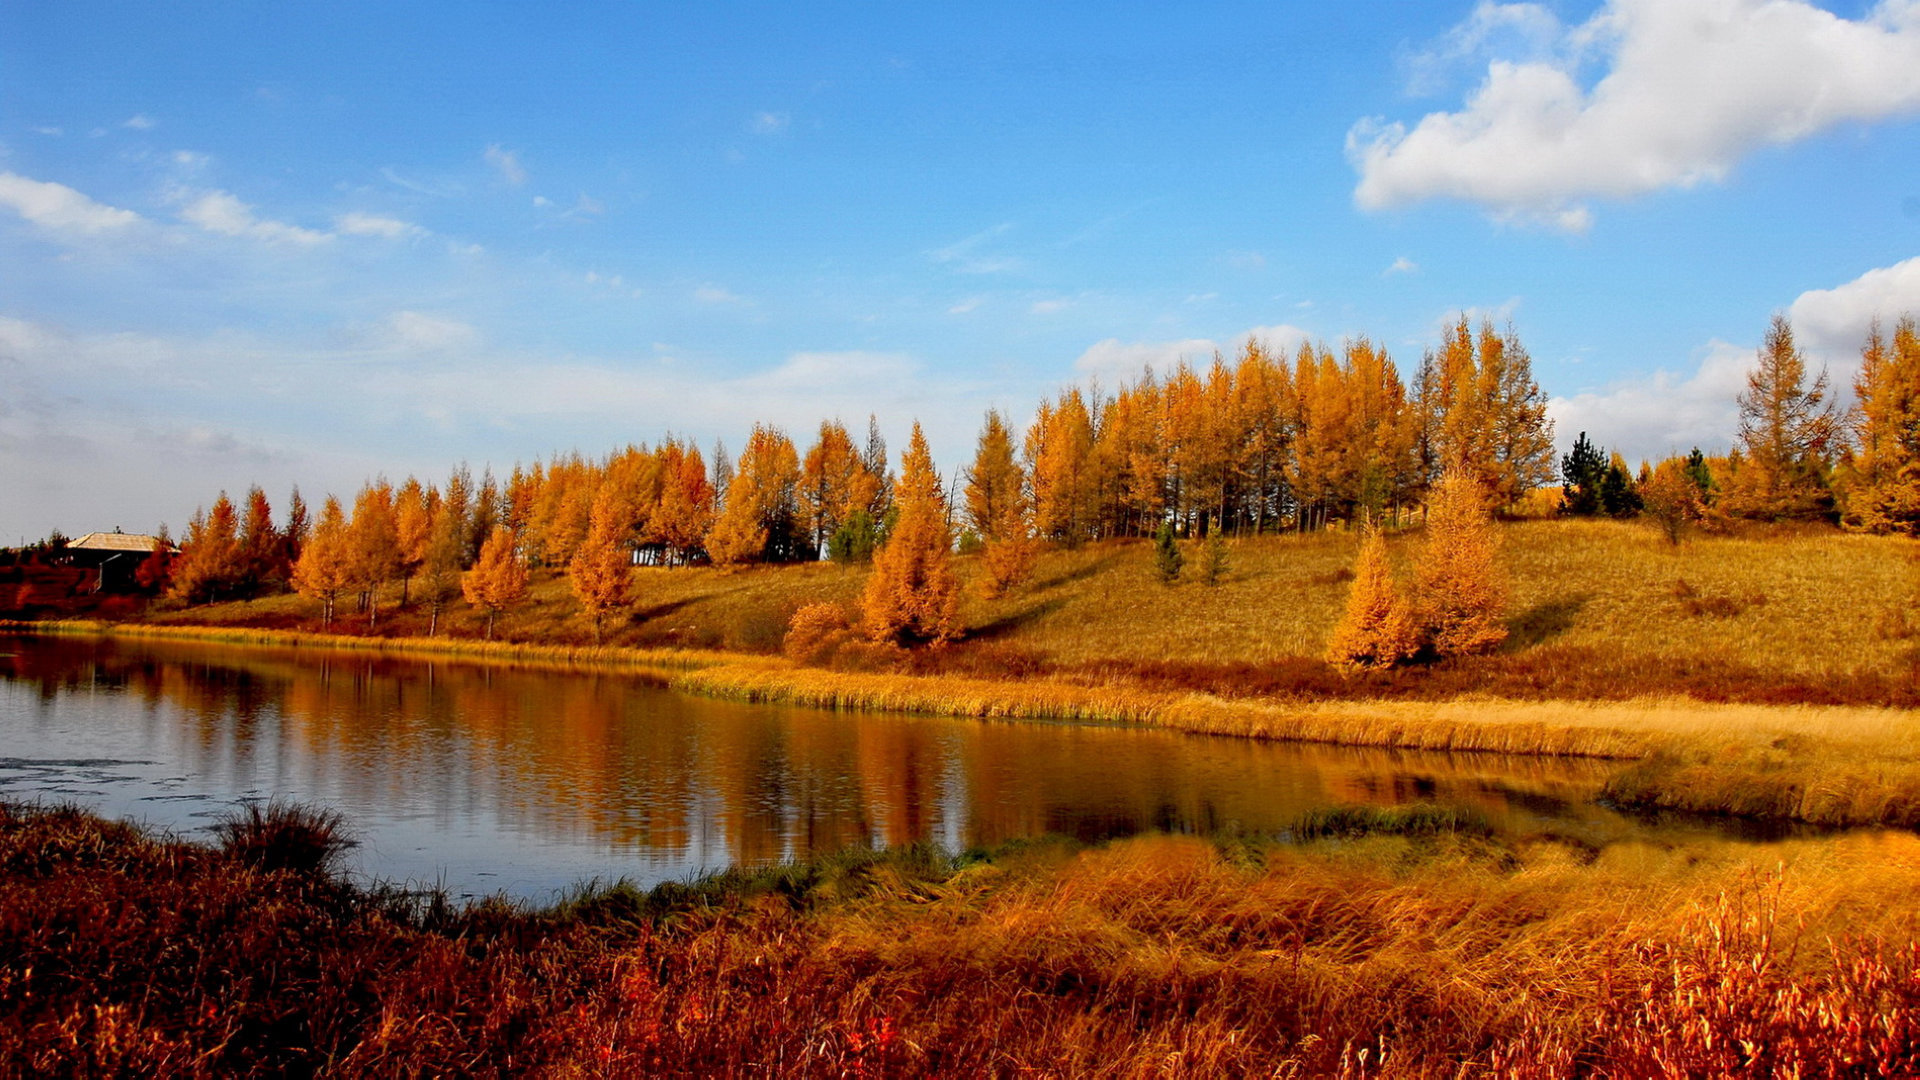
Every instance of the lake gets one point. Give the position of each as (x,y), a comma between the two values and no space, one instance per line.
(489,778)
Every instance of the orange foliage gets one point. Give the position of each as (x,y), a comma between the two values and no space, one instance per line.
(912,594)
(1377,630)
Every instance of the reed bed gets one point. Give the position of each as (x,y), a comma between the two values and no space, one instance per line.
(512,653)
(1419,947)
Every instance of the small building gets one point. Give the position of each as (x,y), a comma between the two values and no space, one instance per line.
(112,556)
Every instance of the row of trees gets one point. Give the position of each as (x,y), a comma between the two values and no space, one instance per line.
(1258,443)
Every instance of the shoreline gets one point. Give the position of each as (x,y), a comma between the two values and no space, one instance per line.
(1822,765)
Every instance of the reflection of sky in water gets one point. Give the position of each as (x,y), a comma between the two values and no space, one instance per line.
(494,779)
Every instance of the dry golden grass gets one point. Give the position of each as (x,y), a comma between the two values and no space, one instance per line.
(1407,945)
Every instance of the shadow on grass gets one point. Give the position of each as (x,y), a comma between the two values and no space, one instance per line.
(1545,621)
(1008,624)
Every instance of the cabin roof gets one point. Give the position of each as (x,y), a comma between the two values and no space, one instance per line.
(114,541)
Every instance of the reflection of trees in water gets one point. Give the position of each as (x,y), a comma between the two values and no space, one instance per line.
(610,760)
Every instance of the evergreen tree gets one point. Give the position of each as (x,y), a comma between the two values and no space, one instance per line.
(1619,496)
(1581,472)
(1167,559)
(1213,562)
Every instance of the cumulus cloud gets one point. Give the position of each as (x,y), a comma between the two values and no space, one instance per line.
(222,213)
(769,123)
(1113,360)
(1831,324)
(139,122)
(60,208)
(1401,265)
(507,163)
(1669,413)
(1687,88)
(1664,414)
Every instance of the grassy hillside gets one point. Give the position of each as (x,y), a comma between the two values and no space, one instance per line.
(1598,609)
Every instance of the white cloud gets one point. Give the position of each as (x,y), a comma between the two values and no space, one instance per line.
(49,130)
(1051,306)
(714,294)
(222,213)
(542,201)
(1115,361)
(414,330)
(356,223)
(769,123)
(1831,324)
(508,164)
(1664,414)
(1401,265)
(59,207)
(965,306)
(1669,413)
(1689,88)
(139,122)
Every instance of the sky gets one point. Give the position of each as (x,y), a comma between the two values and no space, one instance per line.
(315,244)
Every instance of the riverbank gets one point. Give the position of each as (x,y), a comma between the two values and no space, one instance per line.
(1407,943)
(1823,765)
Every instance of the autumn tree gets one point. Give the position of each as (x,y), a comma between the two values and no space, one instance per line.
(441,564)
(498,580)
(1492,416)
(602,570)
(827,480)
(995,486)
(912,594)
(686,510)
(1787,429)
(260,545)
(156,569)
(322,572)
(1377,629)
(761,516)
(373,545)
(1672,498)
(210,560)
(413,532)
(1460,586)
(1881,483)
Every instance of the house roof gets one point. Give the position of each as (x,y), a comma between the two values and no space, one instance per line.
(115,541)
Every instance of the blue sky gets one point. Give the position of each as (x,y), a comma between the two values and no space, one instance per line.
(273,244)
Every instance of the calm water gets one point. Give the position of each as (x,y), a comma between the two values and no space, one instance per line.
(491,779)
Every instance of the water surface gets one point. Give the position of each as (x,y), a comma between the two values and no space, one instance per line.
(488,778)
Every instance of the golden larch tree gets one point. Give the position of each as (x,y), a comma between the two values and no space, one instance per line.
(498,579)
(602,570)
(321,572)
(373,544)
(211,560)
(1787,429)
(912,594)
(1461,591)
(413,531)
(1881,484)
(996,488)
(1377,630)
(761,514)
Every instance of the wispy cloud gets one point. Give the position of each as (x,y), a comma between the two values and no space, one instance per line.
(714,294)
(223,213)
(357,223)
(507,163)
(139,122)
(769,123)
(1114,360)
(966,255)
(1401,265)
(60,208)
